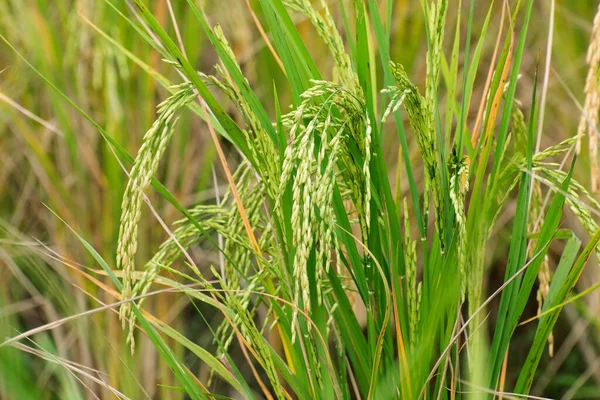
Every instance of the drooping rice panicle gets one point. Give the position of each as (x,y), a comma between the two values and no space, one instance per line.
(314,167)
(422,124)
(321,289)
(153,146)
(211,218)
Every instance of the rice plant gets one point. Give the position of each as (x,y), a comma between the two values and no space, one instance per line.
(314,223)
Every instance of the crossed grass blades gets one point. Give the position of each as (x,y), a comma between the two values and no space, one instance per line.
(311,226)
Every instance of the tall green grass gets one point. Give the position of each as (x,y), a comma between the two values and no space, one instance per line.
(314,224)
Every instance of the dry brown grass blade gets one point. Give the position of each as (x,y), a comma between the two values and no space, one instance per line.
(546,75)
(176,26)
(479,118)
(73,368)
(59,322)
(221,154)
(51,127)
(222,158)
(456,372)
(476,389)
(263,34)
(157,321)
(503,374)
(500,91)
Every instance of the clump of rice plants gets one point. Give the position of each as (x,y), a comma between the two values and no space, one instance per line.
(312,224)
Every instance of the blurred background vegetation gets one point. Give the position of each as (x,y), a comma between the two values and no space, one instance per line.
(52,158)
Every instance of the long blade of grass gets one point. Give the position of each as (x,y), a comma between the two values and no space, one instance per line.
(564,280)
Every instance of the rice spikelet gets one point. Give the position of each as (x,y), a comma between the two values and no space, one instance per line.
(145,165)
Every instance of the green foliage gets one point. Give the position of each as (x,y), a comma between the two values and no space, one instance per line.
(311,227)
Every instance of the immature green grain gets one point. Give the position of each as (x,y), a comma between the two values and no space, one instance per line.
(145,165)
(410,255)
(211,218)
(396,99)
(320,130)
(302,218)
(238,266)
(248,299)
(555,150)
(573,199)
(366,170)
(422,124)
(437,21)
(459,186)
(224,220)
(226,333)
(262,147)
(324,197)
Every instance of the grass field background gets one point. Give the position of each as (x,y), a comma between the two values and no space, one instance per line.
(60,178)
